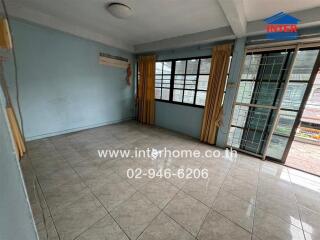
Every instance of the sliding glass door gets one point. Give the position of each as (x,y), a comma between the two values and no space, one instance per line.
(270,93)
(262,82)
(286,123)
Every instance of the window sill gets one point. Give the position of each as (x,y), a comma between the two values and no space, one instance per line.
(179,103)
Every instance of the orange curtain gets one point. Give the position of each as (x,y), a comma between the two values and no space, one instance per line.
(16,132)
(145,91)
(5,37)
(213,108)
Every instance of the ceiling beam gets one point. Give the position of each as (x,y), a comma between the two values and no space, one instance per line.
(309,18)
(214,35)
(234,12)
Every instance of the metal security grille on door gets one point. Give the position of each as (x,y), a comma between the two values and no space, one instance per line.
(262,83)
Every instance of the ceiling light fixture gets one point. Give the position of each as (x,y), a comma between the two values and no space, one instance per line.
(119,10)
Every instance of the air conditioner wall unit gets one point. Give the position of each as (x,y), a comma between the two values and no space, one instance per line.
(113,61)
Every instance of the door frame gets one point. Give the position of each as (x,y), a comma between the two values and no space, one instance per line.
(296,46)
(302,107)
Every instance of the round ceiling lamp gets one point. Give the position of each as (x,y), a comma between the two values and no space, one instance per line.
(119,10)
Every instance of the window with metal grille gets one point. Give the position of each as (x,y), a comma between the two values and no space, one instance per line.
(183,81)
(163,80)
(261,84)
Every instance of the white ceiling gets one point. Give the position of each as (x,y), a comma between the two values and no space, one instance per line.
(260,9)
(152,20)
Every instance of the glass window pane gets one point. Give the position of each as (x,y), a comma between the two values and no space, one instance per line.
(235,136)
(168,77)
(271,66)
(251,66)
(166,81)
(203,82)
(314,98)
(245,92)
(178,81)
(255,122)
(277,146)
(157,93)
(190,82)
(179,77)
(190,86)
(180,67)
(303,65)
(158,67)
(205,65)
(258,118)
(293,95)
(165,94)
(188,96)
(178,85)
(177,95)
(166,67)
(191,77)
(192,66)
(240,114)
(285,123)
(252,141)
(201,98)
(265,93)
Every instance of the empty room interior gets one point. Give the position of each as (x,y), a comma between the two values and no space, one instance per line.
(160,120)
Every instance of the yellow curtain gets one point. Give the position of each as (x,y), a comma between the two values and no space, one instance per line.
(213,109)
(145,91)
(5,37)
(15,129)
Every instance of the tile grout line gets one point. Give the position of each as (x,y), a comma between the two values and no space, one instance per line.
(102,206)
(255,203)
(97,200)
(161,211)
(235,197)
(180,190)
(280,217)
(173,218)
(70,165)
(201,225)
(44,197)
(297,203)
(89,227)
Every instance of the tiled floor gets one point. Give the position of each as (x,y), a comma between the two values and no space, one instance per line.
(304,156)
(81,196)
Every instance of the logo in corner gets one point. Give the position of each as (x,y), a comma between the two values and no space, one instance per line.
(282,26)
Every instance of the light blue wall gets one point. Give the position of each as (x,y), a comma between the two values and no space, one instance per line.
(62,86)
(180,118)
(15,214)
